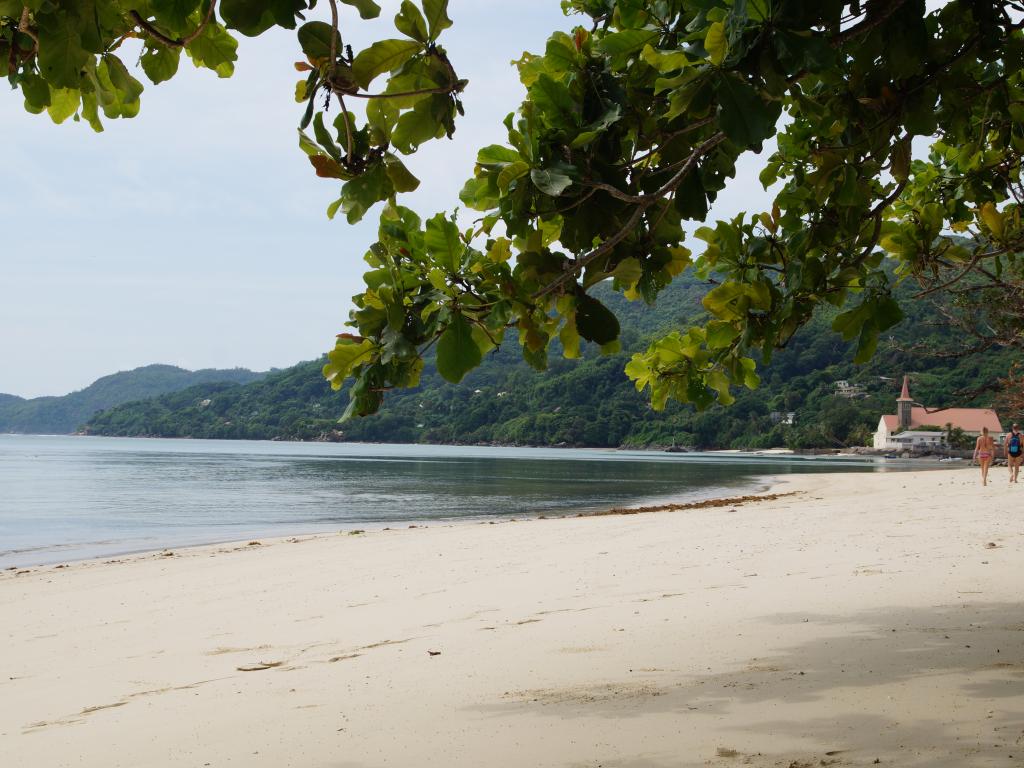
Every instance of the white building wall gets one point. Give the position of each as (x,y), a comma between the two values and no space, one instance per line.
(882,436)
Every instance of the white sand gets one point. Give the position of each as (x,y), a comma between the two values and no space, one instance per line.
(863,621)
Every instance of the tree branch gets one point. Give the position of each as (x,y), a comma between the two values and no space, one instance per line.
(454,88)
(334,39)
(179,42)
(24,28)
(868,24)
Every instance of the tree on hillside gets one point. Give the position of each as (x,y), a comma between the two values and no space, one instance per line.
(898,133)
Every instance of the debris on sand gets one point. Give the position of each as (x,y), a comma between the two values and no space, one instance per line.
(703,504)
(259,666)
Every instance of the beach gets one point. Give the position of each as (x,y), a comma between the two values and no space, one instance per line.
(854,620)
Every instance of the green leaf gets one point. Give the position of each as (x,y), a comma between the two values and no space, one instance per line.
(867,343)
(324,138)
(594,321)
(665,61)
(174,14)
(570,338)
(848,324)
(215,49)
(901,159)
(315,40)
(745,118)
(90,112)
(367,8)
(887,313)
(346,355)
(410,22)
(382,116)
(719,382)
(160,63)
(122,79)
(691,200)
(63,103)
(36,92)
(418,125)
(557,106)
(401,178)
(61,56)
(443,243)
(254,17)
(550,181)
(720,334)
(120,90)
(716,43)
(510,173)
(457,352)
(383,56)
(628,271)
(370,187)
(495,155)
(621,45)
(437,16)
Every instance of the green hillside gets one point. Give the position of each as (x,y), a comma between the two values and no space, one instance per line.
(60,415)
(588,402)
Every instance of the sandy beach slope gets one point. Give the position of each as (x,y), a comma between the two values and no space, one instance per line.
(864,620)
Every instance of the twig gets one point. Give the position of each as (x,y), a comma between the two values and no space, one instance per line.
(180,42)
(868,24)
(453,88)
(334,44)
(24,28)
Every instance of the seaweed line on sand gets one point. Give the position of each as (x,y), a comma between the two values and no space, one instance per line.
(703,504)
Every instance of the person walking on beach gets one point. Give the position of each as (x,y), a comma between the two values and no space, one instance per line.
(984,452)
(1014,452)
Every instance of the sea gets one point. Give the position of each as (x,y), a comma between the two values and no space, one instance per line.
(65,498)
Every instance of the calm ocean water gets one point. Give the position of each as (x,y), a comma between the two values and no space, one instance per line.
(66,498)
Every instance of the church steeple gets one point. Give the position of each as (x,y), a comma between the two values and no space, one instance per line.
(904,404)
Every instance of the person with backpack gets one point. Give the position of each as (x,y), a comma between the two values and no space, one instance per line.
(1014,452)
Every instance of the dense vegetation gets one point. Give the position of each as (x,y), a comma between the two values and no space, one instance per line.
(898,127)
(588,401)
(59,415)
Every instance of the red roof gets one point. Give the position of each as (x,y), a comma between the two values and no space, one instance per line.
(968,419)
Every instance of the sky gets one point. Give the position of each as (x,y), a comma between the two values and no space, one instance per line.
(195,234)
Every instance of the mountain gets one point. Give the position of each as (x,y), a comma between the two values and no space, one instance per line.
(590,402)
(60,415)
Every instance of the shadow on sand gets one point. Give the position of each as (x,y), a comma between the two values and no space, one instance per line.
(941,687)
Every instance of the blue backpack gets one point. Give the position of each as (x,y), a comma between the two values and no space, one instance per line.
(1014,443)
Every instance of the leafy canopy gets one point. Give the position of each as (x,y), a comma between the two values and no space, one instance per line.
(631,126)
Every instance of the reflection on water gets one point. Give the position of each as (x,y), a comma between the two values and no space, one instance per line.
(63,498)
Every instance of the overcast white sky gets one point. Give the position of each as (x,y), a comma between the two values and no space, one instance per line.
(195,234)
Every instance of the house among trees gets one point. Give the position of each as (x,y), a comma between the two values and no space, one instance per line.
(915,426)
(848,390)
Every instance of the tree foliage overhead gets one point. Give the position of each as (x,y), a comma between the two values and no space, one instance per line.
(898,136)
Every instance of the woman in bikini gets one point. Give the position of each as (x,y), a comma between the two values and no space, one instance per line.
(984,452)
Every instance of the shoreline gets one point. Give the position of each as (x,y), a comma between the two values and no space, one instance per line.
(759,485)
(864,453)
(872,619)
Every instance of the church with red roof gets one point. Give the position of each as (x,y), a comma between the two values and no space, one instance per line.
(897,430)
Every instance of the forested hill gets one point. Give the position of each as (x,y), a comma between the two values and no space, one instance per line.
(59,415)
(587,402)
